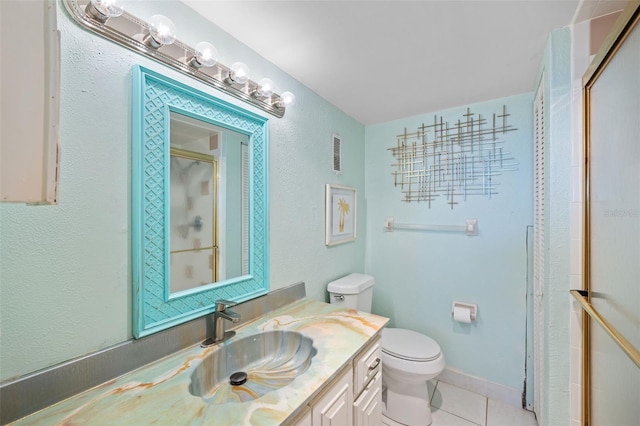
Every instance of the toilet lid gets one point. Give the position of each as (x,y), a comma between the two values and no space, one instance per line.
(409,345)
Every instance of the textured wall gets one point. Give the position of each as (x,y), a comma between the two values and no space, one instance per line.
(419,273)
(65,269)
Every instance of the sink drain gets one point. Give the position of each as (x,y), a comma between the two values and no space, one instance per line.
(238,378)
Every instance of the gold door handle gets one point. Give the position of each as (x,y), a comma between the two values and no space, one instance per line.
(625,345)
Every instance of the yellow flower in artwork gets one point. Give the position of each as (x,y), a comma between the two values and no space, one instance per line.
(344,208)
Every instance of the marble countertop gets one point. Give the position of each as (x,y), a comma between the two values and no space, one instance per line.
(158,393)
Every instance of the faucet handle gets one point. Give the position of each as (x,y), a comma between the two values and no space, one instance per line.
(222,304)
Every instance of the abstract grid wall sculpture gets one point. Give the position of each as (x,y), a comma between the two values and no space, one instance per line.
(452,160)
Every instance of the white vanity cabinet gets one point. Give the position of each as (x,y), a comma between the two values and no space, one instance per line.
(305,419)
(367,409)
(367,383)
(354,398)
(335,407)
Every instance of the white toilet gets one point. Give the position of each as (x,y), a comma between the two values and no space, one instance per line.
(409,358)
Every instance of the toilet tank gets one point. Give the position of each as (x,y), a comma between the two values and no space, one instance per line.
(352,291)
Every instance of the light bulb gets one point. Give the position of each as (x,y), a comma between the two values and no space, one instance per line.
(265,88)
(239,73)
(287,99)
(102,10)
(206,55)
(161,31)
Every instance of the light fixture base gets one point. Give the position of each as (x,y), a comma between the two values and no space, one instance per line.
(148,40)
(92,11)
(193,61)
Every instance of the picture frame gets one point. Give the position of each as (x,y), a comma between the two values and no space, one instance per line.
(340,215)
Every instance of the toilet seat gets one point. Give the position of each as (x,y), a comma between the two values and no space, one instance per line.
(409,345)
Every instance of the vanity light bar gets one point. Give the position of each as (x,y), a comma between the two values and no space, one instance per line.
(132,33)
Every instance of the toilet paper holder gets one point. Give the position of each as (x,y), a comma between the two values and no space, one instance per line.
(472,307)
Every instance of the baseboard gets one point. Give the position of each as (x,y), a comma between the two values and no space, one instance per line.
(482,386)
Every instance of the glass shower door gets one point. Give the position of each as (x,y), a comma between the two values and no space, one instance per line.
(612,239)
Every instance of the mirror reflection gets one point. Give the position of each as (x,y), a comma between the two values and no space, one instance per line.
(209,203)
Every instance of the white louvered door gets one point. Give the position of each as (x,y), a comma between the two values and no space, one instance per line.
(245,209)
(538,253)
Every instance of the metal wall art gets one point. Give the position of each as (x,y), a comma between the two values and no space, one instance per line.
(452,160)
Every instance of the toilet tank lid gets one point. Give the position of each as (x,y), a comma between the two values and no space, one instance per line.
(351,284)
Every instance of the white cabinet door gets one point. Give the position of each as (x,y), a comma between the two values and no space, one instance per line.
(335,408)
(368,407)
(367,366)
(305,420)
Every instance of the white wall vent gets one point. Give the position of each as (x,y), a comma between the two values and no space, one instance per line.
(337,153)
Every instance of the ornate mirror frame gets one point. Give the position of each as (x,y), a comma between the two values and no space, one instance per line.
(154,307)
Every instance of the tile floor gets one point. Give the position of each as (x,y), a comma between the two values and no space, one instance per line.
(454,406)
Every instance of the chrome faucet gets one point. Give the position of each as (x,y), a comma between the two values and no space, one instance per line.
(219,316)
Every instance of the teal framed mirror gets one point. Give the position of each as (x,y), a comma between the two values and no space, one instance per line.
(199,203)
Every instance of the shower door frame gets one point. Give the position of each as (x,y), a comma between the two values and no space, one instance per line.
(209,159)
(628,20)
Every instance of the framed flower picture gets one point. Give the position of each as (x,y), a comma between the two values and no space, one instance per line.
(341,213)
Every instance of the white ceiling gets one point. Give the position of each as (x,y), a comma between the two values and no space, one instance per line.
(382,60)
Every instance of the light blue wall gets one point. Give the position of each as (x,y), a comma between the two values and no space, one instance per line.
(65,269)
(420,273)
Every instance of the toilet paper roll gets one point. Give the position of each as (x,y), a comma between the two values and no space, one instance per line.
(462,314)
